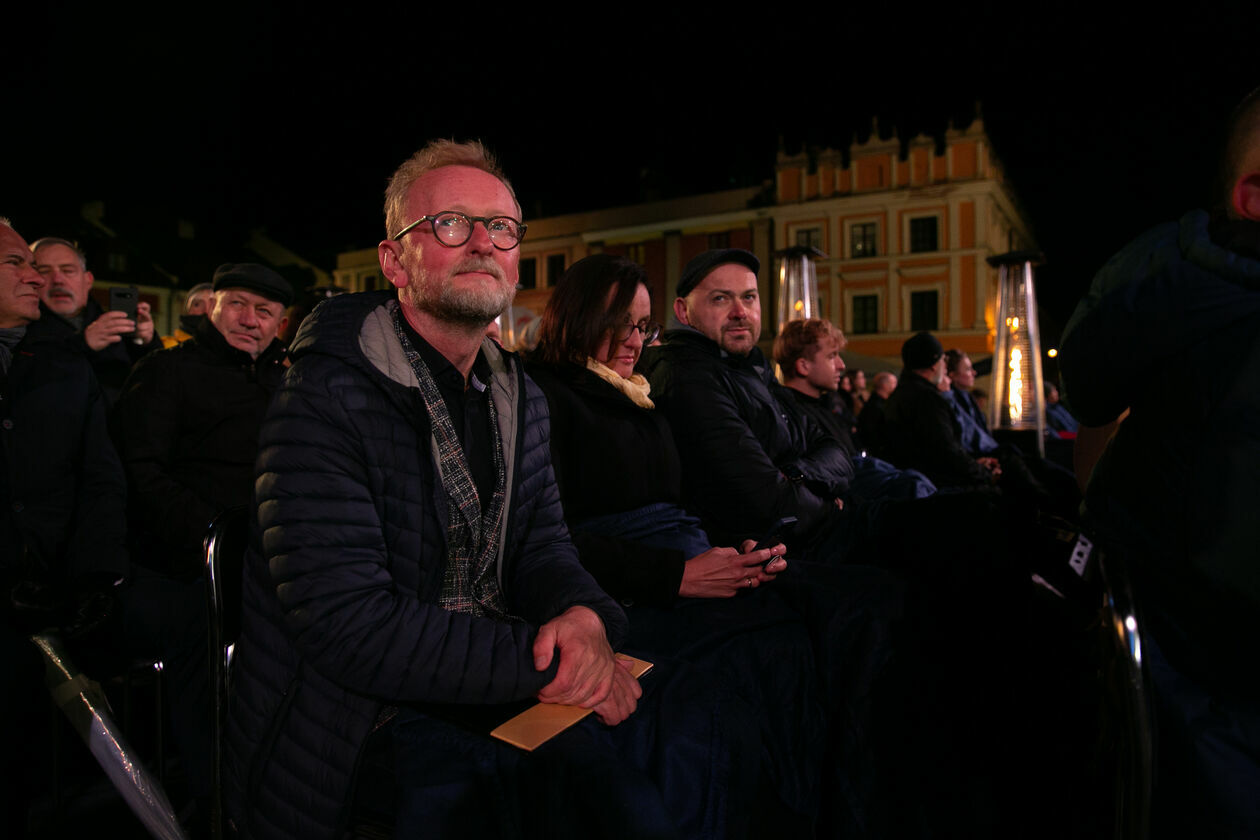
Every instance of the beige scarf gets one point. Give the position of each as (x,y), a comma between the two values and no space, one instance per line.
(636,387)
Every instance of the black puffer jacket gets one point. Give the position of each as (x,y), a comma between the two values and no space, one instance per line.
(340,590)
(749,457)
(186,427)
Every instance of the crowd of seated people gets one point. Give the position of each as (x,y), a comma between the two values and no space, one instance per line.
(803,646)
(845,587)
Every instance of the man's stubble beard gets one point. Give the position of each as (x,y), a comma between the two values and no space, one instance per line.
(470,307)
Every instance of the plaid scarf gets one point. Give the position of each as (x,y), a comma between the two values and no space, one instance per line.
(469,582)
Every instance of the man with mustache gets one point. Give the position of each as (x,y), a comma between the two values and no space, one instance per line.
(411,565)
(748,456)
(111,341)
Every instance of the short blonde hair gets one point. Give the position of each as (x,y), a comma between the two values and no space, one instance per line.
(435,155)
(799,339)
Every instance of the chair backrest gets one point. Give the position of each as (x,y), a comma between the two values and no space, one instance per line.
(225,546)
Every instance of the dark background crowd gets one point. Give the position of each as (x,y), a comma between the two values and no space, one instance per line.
(125,411)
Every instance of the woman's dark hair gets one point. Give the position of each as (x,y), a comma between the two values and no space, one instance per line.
(578,317)
(953,358)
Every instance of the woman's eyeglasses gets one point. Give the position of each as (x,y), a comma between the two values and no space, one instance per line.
(650,329)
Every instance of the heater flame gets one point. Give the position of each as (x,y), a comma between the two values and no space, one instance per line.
(1015,393)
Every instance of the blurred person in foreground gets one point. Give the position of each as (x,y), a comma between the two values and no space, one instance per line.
(1175,492)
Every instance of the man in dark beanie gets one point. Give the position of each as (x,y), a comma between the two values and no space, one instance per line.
(920,430)
(186,424)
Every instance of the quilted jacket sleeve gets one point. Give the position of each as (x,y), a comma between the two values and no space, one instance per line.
(349,538)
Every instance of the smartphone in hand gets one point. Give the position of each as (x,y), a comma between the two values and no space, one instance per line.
(771,536)
(124,299)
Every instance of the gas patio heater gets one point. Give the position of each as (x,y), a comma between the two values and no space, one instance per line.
(1017,407)
(798,285)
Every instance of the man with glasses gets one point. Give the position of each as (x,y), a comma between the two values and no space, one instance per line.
(413,566)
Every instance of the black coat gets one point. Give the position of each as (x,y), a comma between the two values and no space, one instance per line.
(611,456)
(830,413)
(186,427)
(341,586)
(63,494)
(111,363)
(748,457)
(920,432)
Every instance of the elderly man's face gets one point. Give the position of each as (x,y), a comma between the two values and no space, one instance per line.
(19,281)
(725,307)
(247,320)
(937,372)
(200,303)
(66,281)
(470,284)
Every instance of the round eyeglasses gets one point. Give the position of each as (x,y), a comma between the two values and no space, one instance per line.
(454,229)
(650,329)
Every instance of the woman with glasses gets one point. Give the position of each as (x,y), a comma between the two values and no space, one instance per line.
(618,473)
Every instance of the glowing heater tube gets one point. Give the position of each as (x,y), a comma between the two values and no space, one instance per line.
(798,285)
(1018,399)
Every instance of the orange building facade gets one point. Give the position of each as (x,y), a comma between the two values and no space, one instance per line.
(905,240)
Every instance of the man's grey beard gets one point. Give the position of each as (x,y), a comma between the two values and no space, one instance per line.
(463,306)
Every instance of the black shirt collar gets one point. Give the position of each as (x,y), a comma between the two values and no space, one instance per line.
(445,374)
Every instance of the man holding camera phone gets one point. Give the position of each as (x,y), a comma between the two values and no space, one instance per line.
(111,340)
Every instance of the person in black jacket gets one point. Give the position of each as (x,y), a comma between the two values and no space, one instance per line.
(920,430)
(808,355)
(62,529)
(716,607)
(410,564)
(187,422)
(111,341)
(1175,490)
(748,458)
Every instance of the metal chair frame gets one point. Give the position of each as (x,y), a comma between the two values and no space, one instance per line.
(224,547)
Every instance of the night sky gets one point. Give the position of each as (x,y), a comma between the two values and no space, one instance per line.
(262,115)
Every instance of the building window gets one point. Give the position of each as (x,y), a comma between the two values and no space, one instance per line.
(555,269)
(718,240)
(923,234)
(528,271)
(809,237)
(923,311)
(864,240)
(865,314)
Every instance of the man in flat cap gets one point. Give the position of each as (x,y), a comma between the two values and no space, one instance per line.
(186,424)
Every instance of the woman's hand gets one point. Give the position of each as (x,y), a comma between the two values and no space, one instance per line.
(721,572)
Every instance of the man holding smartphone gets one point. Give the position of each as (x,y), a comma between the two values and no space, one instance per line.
(112,341)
